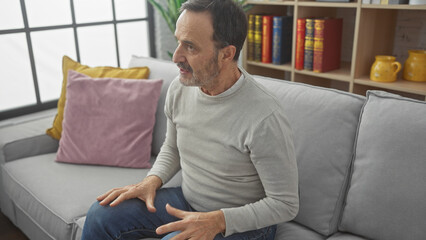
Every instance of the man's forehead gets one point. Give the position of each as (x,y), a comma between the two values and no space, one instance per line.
(198,23)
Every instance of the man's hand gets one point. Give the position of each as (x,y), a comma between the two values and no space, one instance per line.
(194,225)
(144,190)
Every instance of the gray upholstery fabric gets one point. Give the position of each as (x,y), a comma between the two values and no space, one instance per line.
(324,122)
(52,194)
(26,136)
(22,137)
(159,69)
(386,198)
(295,231)
(345,236)
(36,145)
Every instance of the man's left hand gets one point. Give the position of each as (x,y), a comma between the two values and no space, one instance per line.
(194,225)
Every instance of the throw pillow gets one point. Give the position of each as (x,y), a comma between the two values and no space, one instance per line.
(108,121)
(97,72)
(158,69)
(386,198)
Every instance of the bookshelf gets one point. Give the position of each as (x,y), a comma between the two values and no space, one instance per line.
(368,30)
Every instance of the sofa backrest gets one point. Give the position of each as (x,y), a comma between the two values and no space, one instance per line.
(159,69)
(386,197)
(324,122)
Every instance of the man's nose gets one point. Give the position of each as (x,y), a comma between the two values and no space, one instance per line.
(177,55)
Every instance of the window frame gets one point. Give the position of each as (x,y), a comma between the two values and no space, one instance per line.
(39,105)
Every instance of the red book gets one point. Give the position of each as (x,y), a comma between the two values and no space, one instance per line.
(327,44)
(267,39)
(300,43)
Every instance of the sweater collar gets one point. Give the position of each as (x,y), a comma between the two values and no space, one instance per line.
(237,85)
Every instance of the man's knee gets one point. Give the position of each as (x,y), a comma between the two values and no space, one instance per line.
(98,215)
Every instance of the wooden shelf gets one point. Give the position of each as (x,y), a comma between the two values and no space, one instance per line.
(328,4)
(399,85)
(341,74)
(397,6)
(369,31)
(290,3)
(283,67)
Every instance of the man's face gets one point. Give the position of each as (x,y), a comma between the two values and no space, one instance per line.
(196,55)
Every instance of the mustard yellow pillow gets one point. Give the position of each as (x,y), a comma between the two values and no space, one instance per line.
(95,72)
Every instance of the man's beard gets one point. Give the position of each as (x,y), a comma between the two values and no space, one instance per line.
(202,78)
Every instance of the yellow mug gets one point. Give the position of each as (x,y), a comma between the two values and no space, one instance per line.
(385,69)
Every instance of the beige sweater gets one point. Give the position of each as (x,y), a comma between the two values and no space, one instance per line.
(235,151)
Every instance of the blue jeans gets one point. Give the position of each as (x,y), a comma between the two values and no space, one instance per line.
(132,220)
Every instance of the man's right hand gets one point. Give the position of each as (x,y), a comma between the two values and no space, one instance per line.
(144,190)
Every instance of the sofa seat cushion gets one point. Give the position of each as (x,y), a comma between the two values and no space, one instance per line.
(324,122)
(55,194)
(386,198)
(295,231)
(345,236)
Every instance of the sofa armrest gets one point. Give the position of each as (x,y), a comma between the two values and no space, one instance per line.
(25,136)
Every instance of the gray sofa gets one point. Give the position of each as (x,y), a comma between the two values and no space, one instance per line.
(362,166)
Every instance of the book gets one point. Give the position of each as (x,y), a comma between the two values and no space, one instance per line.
(282,32)
(309,44)
(267,39)
(258,38)
(300,43)
(327,44)
(250,38)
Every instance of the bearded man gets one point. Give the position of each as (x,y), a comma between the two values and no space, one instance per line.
(227,134)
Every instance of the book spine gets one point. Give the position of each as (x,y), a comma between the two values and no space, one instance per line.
(309,44)
(300,43)
(277,40)
(318,45)
(250,38)
(286,39)
(267,39)
(258,38)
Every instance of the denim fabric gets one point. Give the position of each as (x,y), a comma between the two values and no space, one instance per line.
(132,220)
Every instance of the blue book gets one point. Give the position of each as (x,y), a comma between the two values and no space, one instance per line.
(282,33)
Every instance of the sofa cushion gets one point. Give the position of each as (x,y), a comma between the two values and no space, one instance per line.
(345,236)
(55,194)
(68,64)
(295,231)
(159,69)
(386,198)
(108,121)
(324,122)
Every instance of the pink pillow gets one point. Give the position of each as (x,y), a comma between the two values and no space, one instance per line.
(108,121)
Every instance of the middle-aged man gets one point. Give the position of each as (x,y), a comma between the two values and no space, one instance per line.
(228,135)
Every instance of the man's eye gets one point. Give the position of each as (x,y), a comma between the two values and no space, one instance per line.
(190,47)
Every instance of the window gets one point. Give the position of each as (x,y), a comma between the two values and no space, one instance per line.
(35,34)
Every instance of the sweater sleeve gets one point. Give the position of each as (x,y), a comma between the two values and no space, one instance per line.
(272,153)
(167,163)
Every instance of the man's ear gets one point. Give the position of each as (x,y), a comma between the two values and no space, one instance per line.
(228,53)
